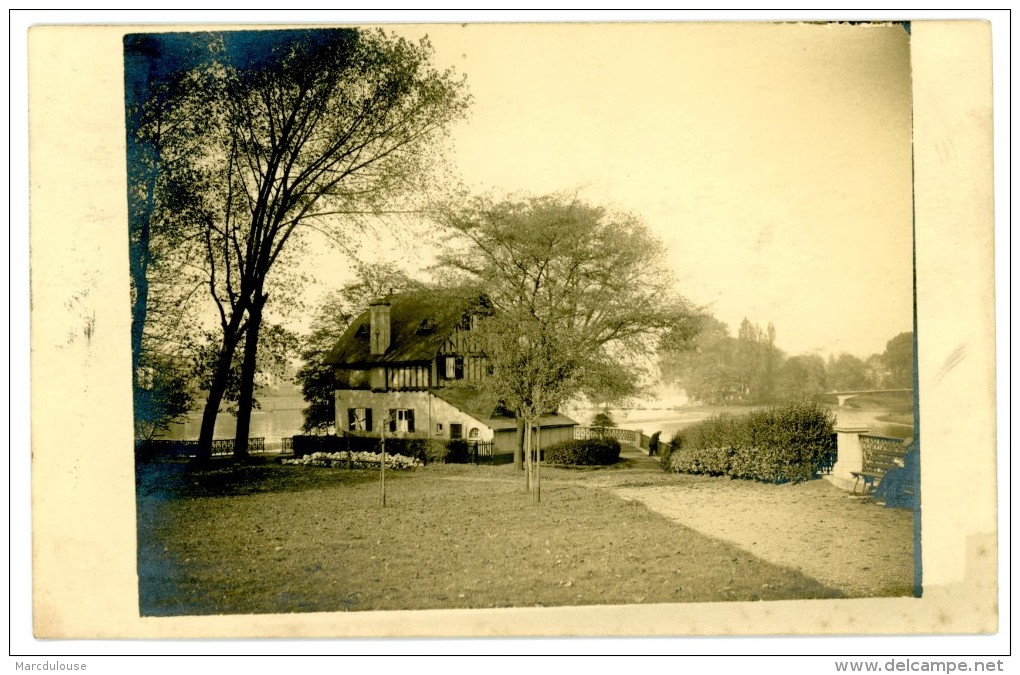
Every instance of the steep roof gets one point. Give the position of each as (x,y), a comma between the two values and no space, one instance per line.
(474,401)
(420,323)
(547,422)
(483,407)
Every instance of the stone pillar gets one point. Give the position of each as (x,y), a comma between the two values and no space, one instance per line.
(849,456)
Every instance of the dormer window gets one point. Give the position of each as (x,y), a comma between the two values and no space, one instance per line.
(428,325)
(467,322)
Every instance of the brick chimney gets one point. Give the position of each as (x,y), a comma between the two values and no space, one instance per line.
(379,313)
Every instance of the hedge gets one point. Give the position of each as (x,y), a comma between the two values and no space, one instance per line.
(583,452)
(777,444)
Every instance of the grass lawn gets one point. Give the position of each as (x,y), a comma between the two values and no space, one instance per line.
(273,538)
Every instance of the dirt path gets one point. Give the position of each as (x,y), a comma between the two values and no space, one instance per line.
(843,541)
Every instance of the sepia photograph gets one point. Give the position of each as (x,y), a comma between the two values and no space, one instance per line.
(410,331)
(573,318)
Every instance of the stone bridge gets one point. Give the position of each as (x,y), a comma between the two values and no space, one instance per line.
(843,396)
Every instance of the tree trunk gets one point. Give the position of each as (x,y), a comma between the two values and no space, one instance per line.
(527,454)
(141,257)
(217,388)
(519,444)
(382,467)
(246,396)
(139,313)
(538,460)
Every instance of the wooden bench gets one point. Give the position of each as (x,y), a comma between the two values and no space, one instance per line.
(880,455)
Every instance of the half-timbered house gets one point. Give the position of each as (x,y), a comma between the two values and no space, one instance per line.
(408,367)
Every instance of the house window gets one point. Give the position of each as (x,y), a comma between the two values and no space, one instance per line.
(401,420)
(467,322)
(473,433)
(456,431)
(454,368)
(359,419)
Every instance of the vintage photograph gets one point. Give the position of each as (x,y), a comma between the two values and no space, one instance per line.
(485,316)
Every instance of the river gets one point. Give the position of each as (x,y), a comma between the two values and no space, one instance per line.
(279,417)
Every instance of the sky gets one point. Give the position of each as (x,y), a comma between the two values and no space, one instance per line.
(773,160)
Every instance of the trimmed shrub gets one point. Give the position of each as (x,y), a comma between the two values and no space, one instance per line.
(601,422)
(666,454)
(779,444)
(410,447)
(434,451)
(306,445)
(583,452)
(458,452)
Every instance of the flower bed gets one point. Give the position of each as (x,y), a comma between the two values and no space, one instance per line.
(358,460)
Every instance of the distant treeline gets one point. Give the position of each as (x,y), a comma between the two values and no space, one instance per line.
(751,369)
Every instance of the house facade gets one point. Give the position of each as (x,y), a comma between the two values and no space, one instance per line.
(410,366)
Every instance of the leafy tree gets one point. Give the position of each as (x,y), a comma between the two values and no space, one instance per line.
(899,359)
(163,393)
(800,377)
(167,175)
(337,122)
(771,361)
(277,350)
(603,421)
(747,357)
(707,370)
(846,373)
(878,372)
(204,362)
(721,369)
(580,299)
(278,347)
(535,368)
(302,130)
(316,380)
(757,360)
